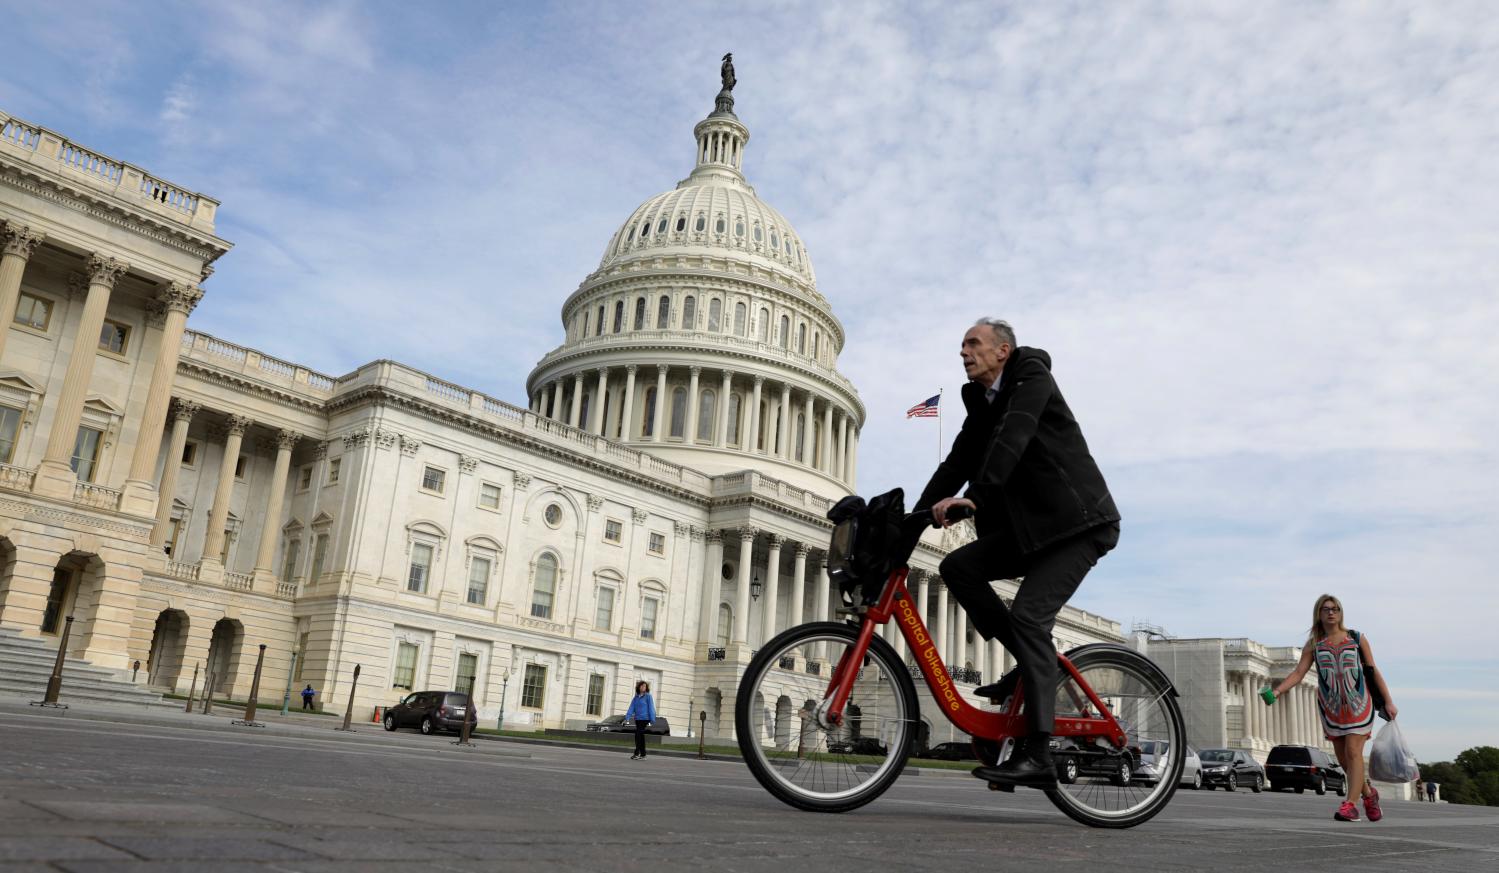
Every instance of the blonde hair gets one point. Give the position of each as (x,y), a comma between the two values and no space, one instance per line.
(1317,632)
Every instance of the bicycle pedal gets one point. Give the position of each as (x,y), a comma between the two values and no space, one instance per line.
(851,610)
(1002,786)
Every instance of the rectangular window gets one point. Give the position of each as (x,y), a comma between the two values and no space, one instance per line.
(112,337)
(603,616)
(319,557)
(489,496)
(648,609)
(174,531)
(229,537)
(239,466)
(33,311)
(405,675)
(533,690)
(86,453)
(657,544)
(478,580)
(10,428)
(433,479)
(468,669)
(289,566)
(613,531)
(189,454)
(594,703)
(333,470)
(304,478)
(421,568)
(301,654)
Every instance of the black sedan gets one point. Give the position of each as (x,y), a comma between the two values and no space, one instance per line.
(617,724)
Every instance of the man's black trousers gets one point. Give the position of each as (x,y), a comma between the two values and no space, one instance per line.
(1051,576)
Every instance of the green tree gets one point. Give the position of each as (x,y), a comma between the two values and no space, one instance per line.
(1479,760)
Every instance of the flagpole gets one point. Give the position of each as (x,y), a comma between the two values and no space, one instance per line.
(939,425)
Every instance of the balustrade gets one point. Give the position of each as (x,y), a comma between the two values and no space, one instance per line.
(16,478)
(96,496)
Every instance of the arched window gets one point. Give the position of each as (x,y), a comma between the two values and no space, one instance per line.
(817,444)
(640,313)
(681,223)
(689,313)
(648,413)
(785,332)
(816,337)
(678,412)
(631,236)
(583,410)
(701,223)
(715,315)
(739,228)
(775,241)
(645,228)
(619,316)
(801,339)
(544,589)
(720,226)
(663,313)
(732,437)
(707,405)
(598,323)
(741,315)
(661,227)
(801,433)
(758,235)
(725,623)
(763,328)
(580,325)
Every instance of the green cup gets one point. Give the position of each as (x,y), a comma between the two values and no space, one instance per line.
(1268,695)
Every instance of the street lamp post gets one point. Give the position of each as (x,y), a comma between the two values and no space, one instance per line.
(286,694)
(504,687)
(690,702)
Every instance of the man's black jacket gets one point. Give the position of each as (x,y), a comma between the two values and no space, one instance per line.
(1025,460)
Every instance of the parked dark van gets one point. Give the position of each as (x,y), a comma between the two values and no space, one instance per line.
(1303,767)
(432,711)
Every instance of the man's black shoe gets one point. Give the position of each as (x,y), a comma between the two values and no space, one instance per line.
(998,691)
(1030,765)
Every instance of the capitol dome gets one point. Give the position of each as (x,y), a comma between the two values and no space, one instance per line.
(706,299)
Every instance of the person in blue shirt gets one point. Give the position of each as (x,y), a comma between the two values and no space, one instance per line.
(642,711)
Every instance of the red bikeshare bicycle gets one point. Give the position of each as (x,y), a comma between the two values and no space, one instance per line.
(827,713)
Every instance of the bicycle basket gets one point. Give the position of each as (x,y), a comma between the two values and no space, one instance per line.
(863,538)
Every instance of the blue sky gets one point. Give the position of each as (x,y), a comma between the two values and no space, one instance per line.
(1260,241)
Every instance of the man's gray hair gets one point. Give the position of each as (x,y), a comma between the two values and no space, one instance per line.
(1003,333)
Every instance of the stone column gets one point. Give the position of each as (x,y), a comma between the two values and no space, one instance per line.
(772,583)
(20,241)
(820,600)
(54,475)
(657,416)
(574,417)
(721,436)
(980,650)
(783,441)
(692,404)
(751,437)
(176,303)
(270,529)
(853,456)
(841,471)
(807,429)
(827,448)
(996,661)
(182,415)
(742,584)
(218,516)
(941,629)
(798,585)
(627,408)
(708,611)
(596,413)
(554,399)
(923,591)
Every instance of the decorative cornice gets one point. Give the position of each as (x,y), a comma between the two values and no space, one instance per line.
(214,376)
(20,239)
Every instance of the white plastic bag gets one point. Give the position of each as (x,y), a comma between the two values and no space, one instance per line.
(1390,759)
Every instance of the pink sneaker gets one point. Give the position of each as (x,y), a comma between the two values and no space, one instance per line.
(1346,812)
(1371,806)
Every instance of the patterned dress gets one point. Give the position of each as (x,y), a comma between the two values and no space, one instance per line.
(1344,697)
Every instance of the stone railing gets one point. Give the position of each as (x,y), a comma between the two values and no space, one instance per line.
(46,150)
(215,352)
(182,570)
(286,590)
(96,496)
(16,478)
(755,482)
(239,581)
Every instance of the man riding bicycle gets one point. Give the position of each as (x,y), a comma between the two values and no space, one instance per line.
(1042,512)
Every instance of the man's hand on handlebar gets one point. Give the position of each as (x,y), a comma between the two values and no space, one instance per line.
(949,510)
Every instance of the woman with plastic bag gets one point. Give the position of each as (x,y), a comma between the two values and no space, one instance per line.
(1348,687)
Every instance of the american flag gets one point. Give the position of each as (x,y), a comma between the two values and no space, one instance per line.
(925,409)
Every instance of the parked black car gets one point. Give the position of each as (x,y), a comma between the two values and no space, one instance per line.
(950,752)
(617,723)
(432,711)
(1075,760)
(1303,767)
(1231,768)
(857,746)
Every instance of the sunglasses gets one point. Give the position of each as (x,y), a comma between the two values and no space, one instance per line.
(1332,609)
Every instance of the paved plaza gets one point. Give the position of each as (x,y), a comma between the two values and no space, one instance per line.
(154,790)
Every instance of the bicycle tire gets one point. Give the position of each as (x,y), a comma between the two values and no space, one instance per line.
(1144,700)
(822,769)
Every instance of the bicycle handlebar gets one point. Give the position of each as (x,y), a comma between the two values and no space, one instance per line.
(924,517)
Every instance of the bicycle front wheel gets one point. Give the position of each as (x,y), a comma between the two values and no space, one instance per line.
(1119,788)
(781,721)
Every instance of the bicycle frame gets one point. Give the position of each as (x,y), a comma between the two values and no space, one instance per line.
(895,602)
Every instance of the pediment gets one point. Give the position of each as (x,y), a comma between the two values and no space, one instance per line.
(18,381)
(101,404)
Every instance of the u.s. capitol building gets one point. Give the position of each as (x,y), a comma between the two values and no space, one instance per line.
(654,509)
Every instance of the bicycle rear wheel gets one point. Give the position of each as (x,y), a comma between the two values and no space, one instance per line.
(1119,788)
(785,738)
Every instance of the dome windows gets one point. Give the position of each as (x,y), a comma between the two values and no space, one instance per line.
(741,316)
(599,323)
(645,228)
(721,226)
(775,241)
(681,223)
(661,226)
(763,328)
(715,315)
(689,313)
(640,313)
(702,223)
(619,316)
(758,235)
(663,313)
(739,228)
(785,332)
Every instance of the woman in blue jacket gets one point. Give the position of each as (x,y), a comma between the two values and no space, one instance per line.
(643,711)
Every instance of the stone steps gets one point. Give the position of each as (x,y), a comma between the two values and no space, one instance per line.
(26,665)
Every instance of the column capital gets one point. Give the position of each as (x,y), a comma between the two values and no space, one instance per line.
(661,369)
(236,425)
(320,450)
(759,380)
(713,536)
(775,541)
(694,371)
(20,239)
(595,503)
(801,550)
(522,480)
(603,372)
(409,445)
(179,297)
(184,410)
(745,533)
(639,516)
(468,464)
(630,369)
(105,270)
(287,439)
(696,533)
